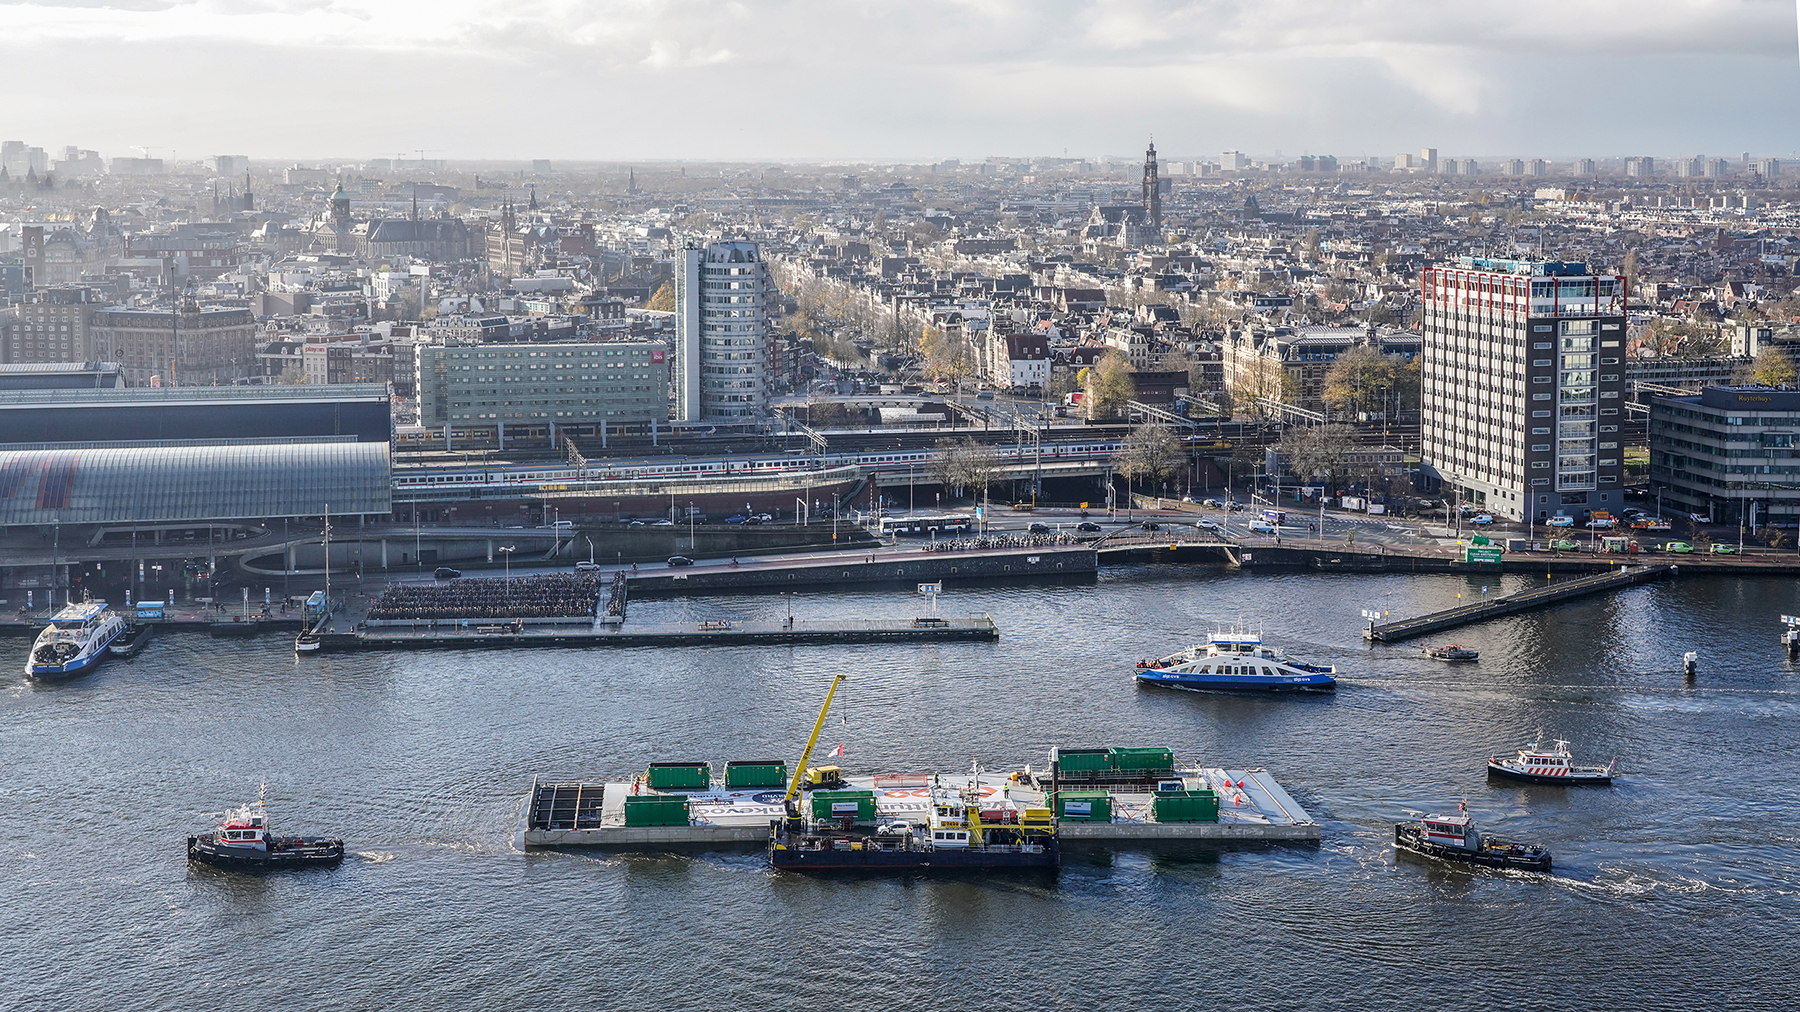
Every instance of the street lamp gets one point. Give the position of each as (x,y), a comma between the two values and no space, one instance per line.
(507,553)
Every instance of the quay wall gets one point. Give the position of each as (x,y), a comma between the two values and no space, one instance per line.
(1035,565)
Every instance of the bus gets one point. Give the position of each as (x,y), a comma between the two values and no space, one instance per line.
(950,523)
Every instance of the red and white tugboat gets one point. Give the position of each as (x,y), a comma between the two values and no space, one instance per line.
(1456,838)
(243,842)
(1554,765)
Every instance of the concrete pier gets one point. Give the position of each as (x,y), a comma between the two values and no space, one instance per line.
(1512,604)
(723,632)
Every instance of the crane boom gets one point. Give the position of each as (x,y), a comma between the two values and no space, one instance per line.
(800,773)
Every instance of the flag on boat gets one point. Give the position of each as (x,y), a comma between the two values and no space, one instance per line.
(838,751)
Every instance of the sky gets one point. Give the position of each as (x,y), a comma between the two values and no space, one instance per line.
(908,80)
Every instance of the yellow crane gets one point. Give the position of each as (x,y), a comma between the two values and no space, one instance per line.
(800,772)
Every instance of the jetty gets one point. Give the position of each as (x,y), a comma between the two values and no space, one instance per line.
(1512,604)
(720,632)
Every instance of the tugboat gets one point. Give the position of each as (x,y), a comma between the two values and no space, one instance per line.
(131,642)
(242,842)
(1236,661)
(843,832)
(1554,765)
(1456,838)
(75,640)
(1452,652)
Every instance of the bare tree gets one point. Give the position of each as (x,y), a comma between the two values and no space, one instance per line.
(1151,455)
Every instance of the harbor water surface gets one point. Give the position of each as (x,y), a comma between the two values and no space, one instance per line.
(1675,887)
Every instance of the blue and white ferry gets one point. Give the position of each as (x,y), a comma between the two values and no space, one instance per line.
(1236,661)
(75,640)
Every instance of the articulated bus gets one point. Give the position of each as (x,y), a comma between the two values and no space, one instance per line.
(949,524)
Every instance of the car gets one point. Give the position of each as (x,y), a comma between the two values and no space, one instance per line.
(446,573)
(767,518)
(680,560)
(1208,525)
(663,523)
(1565,545)
(737,518)
(1679,548)
(1038,529)
(1481,519)
(1560,521)
(1210,503)
(1088,527)
(1601,523)
(1261,527)
(1187,498)
(587,567)
(1720,548)
(1151,525)
(1235,507)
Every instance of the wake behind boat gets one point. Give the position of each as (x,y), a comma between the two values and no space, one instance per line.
(1236,661)
(1554,765)
(76,639)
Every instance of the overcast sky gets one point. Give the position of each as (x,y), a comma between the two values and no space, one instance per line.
(901,80)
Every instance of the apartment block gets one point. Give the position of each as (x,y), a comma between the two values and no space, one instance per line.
(1523,387)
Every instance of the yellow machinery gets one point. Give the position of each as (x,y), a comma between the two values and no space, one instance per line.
(794,787)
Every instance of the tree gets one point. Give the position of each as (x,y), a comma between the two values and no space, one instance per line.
(945,359)
(1109,386)
(1360,377)
(964,463)
(1772,367)
(664,299)
(1316,451)
(291,375)
(1151,455)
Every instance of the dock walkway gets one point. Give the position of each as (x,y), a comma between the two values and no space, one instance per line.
(1512,604)
(732,632)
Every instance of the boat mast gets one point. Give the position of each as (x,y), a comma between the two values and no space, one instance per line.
(819,725)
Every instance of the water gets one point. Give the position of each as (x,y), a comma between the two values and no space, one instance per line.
(1675,887)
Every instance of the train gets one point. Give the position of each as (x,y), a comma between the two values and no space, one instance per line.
(570,477)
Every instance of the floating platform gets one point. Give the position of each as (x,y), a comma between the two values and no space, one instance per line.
(592,813)
(723,632)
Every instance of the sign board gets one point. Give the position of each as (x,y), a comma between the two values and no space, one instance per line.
(1490,554)
(931,588)
(1081,808)
(843,808)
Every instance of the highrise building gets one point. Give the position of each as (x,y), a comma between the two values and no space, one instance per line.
(1522,386)
(1584,167)
(721,331)
(1640,167)
(1428,156)
(1769,168)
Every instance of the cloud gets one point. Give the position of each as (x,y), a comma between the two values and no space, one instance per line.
(896,78)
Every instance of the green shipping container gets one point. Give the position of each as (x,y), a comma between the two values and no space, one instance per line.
(656,810)
(857,805)
(679,776)
(1143,760)
(1083,760)
(1186,806)
(747,773)
(1084,806)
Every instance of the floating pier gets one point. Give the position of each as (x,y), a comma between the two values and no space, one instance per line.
(722,632)
(589,813)
(1512,604)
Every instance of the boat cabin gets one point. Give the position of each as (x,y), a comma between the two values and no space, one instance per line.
(1451,831)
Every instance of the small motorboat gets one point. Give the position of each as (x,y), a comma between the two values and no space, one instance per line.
(1452,652)
(132,641)
(1456,838)
(242,842)
(1554,765)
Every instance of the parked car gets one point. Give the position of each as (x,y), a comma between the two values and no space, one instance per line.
(663,523)
(1088,527)
(587,567)
(1565,545)
(446,573)
(1601,523)
(736,518)
(1720,548)
(1560,521)
(1679,548)
(680,560)
(766,518)
(1481,519)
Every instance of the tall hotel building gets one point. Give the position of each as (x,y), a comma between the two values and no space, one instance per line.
(721,332)
(1523,387)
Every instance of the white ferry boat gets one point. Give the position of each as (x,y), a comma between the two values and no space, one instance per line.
(75,640)
(1236,661)
(1553,765)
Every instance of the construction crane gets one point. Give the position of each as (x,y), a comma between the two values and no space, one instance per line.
(800,771)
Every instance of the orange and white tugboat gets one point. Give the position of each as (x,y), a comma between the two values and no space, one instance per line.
(242,842)
(1554,765)
(1456,838)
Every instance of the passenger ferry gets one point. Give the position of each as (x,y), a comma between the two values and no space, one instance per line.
(1456,838)
(1554,765)
(75,640)
(242,841)
(1236,661)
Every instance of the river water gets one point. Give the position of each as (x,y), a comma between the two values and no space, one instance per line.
(1675,887)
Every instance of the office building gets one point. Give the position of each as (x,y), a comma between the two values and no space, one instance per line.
(1522,389)
(721,332)
(52,326)
(1729,453)
(543,388)
(196,347)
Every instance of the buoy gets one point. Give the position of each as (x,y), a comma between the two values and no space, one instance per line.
(1690,664)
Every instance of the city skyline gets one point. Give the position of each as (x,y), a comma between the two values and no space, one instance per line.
(475,80)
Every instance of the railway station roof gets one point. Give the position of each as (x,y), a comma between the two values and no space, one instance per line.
(159,484)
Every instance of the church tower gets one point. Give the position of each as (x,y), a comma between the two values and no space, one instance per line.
(1152,193)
